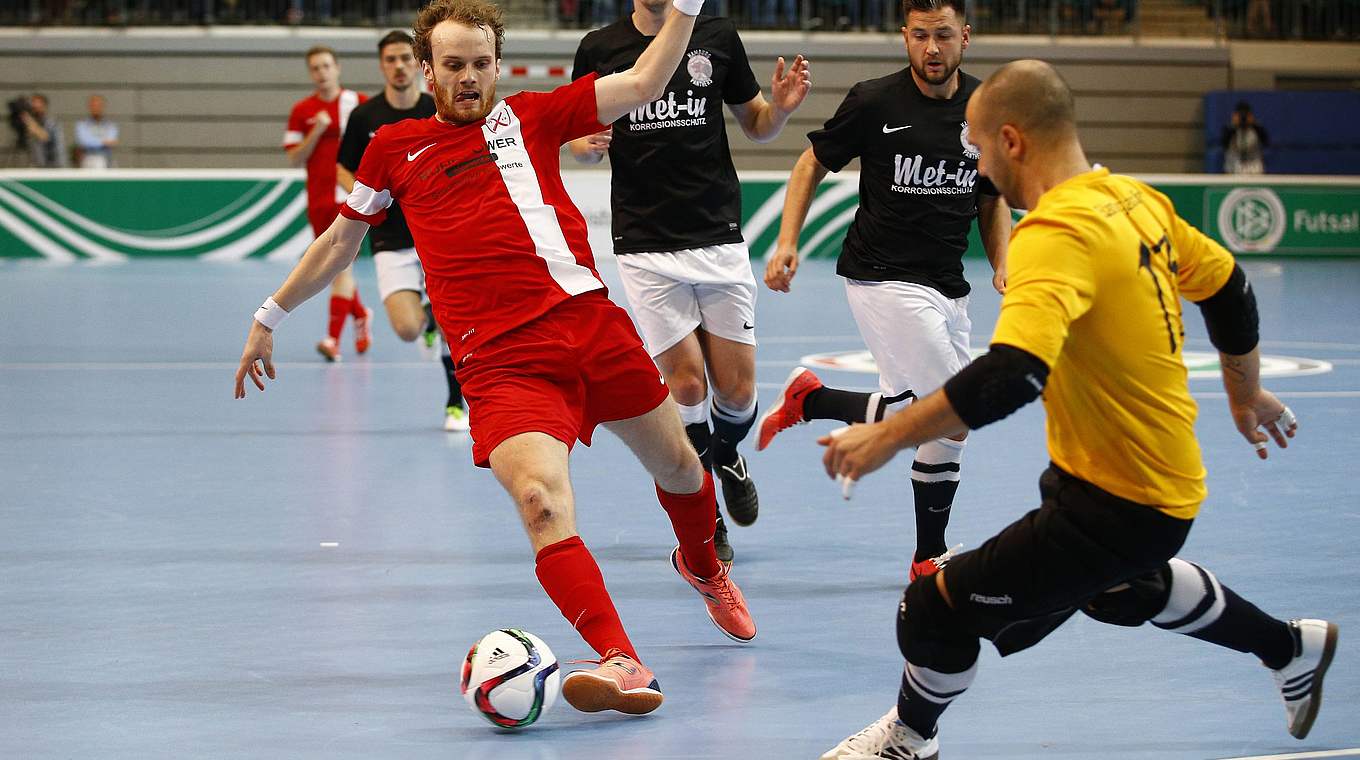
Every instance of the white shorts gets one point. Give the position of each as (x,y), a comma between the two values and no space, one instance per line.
(918,336)
(397,271)
(673,292)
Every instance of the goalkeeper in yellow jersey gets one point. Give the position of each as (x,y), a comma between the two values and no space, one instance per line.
(1091,319)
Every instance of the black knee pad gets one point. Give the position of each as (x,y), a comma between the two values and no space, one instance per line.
(1133,602)
(930,633)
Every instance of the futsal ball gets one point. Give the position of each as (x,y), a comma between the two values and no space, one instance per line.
(511,678)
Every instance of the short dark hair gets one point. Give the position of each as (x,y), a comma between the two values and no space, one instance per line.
(479,14)
(926,6)
(395,37)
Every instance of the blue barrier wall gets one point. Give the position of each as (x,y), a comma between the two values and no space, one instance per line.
(1310,132)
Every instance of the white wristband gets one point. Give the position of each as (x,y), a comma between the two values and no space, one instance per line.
(270,314)
(689,7)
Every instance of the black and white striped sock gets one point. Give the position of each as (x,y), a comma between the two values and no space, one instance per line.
(1201,607)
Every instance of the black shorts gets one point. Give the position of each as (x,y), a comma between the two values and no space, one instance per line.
(1027,580)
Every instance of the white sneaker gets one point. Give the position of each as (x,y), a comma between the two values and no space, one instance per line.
(1300,681)
(456,419)
(887,738)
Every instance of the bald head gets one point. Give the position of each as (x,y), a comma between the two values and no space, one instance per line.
(1031,96)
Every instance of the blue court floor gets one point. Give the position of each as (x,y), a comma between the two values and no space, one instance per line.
(166,588)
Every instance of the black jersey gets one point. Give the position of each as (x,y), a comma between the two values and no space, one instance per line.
(918,181)
(392,234)
(674,185)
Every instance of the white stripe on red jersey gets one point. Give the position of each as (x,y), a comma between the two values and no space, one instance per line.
(499,239)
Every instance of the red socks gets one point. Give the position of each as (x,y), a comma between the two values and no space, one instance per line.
(340,309)
(572,579)
(356,308)
(693,516)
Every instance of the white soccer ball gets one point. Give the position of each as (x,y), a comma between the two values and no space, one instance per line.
(511,678)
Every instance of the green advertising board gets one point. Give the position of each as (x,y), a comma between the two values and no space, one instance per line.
(71,215)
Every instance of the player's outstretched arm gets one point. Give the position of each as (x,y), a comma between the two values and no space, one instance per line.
(617,94)
(325,258)
(762,120)
(807,174)
(992,388)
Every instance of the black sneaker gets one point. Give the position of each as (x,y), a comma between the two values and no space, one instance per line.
(739,492)
(720,545)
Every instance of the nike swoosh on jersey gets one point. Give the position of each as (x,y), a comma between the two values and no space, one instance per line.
(889,130)
(413,156)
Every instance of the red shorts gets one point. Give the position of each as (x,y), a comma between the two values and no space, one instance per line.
(580,364)
(321,217)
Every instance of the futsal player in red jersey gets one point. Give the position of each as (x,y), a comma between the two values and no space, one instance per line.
(315,126)
(544,356)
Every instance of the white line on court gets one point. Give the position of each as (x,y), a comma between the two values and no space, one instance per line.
(1355,752)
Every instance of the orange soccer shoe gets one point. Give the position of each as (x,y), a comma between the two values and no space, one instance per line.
(617,683)
(726,605)
(788,410)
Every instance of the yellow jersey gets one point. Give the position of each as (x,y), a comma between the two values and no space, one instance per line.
(1095,275)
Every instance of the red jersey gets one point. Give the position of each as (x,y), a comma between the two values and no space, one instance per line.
(322,188)
(499,239)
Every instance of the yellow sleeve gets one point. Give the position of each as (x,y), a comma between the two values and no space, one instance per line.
(1049,284)
(1204,266)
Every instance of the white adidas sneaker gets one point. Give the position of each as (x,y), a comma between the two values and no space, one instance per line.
(887,738)
(1300,681)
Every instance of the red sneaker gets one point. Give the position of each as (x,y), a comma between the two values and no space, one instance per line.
(726,605)
(788,410)
(362,337)
(928,567)
(618,683)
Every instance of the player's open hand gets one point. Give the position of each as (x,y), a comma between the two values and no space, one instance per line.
(856,451)
(257,360)
(598,143)
(1264,415)
(789,87)
(780,269)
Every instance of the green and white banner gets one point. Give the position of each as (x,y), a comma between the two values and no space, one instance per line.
(73,215)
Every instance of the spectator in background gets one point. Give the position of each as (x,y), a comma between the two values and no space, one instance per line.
(46,146)
(1244,143)
(96,136)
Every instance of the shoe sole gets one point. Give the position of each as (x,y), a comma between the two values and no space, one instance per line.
(591,693)
(327,356)
(675,563)
(1315,696)
(763,441)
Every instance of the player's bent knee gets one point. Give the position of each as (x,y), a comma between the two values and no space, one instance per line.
(930,633)
(687,389)
(1134,602)
(407,331)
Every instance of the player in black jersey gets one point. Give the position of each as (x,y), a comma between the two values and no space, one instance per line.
(401,281)
(919,191)
(676,207)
